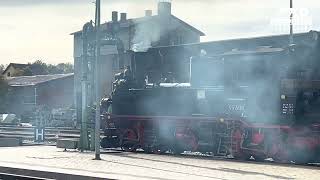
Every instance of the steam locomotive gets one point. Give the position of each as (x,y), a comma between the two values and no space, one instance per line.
(263,103)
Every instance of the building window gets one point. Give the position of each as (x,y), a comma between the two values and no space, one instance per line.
(8,74)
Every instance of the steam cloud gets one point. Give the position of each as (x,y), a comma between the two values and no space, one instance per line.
(152,31)
(258,75)
(146,33)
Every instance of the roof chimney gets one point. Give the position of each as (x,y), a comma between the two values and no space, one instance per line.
(148,13)
(114,16)
(164,7)
(123,16)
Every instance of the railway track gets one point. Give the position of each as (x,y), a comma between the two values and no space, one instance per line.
(18,177)
(27,133)
(54,133)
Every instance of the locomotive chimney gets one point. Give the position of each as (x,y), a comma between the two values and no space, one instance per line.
(123,16)
(148,13)
(164,7)
(114,16)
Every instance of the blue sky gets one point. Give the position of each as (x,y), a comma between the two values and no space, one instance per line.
(39,29)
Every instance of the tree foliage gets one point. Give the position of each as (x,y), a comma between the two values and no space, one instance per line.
(61,68)
(39,67)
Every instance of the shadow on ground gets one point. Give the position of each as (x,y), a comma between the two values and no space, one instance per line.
(229,170)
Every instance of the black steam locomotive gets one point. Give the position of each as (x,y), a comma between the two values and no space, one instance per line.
(261,103)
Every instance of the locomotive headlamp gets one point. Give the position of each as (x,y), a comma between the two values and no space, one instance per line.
(221,120)
(283,97)
(109,117)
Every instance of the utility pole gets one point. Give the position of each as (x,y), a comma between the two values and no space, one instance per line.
(97,82)
(291,23)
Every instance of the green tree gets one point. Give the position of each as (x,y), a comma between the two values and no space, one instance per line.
(39,68)
(65,68)
(52,69)
(61,68)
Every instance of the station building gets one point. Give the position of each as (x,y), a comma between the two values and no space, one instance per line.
(137,34)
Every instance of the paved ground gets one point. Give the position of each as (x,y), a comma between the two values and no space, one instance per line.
(148,166)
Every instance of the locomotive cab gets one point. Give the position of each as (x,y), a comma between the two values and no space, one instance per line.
(300,101)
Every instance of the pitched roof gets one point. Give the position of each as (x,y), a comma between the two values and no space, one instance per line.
(310,38)
(132,22)
(15,65)
(189,26)
(35,80)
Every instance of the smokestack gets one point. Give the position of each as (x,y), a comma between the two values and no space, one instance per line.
(148,13)
(123,16)
(164,7)
(114,16)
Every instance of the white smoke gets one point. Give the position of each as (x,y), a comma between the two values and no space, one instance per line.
(146,33)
